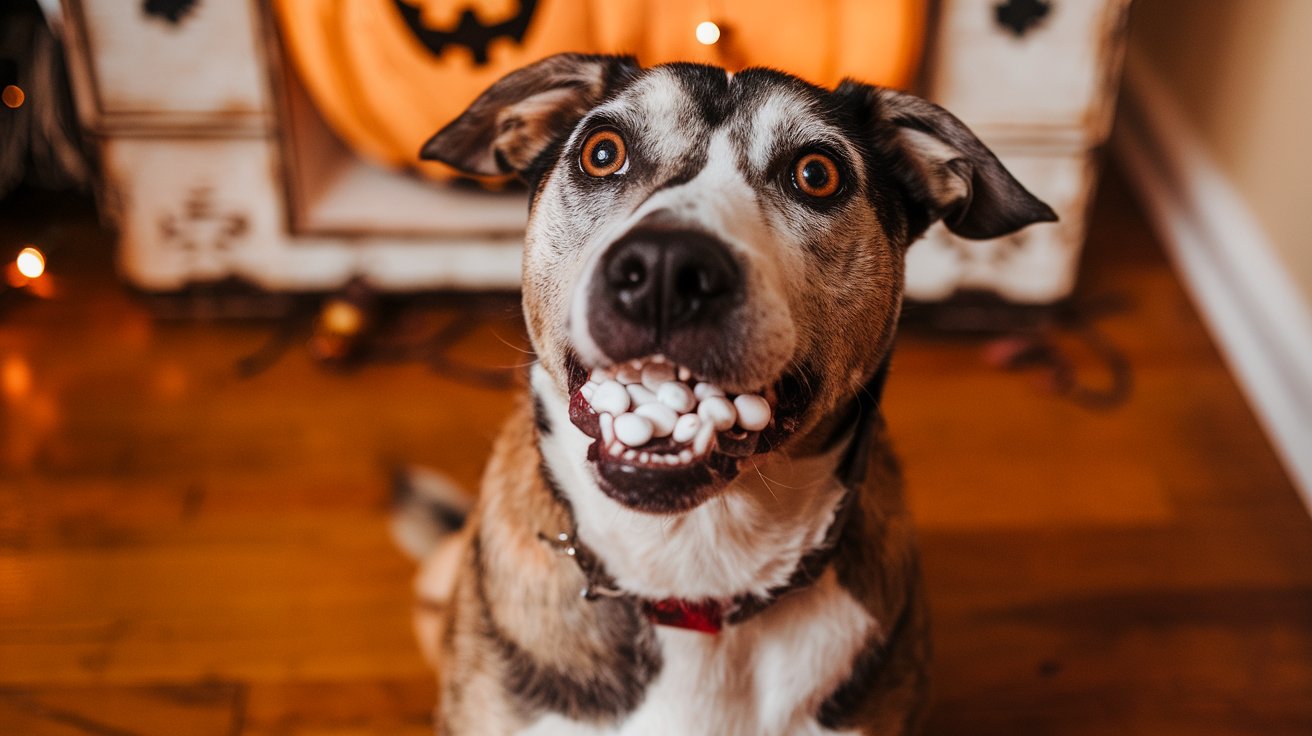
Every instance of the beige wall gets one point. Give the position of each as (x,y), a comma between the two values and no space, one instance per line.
(1242,73)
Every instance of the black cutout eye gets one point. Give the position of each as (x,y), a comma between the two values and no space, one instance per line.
(603,154)
(816,174)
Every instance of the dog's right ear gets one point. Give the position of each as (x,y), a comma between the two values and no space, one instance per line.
(517,118)
(944,171)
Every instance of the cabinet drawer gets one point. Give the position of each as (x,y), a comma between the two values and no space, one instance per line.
(200,66)
(1013,70)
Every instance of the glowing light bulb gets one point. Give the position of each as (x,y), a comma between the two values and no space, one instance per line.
(707,33)
(31,262)
(13,96)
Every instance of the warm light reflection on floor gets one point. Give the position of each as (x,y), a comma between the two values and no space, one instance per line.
(15,377)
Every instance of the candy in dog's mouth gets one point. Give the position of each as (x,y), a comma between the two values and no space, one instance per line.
(664,438)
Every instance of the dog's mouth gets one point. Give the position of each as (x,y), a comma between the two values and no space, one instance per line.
(665,439)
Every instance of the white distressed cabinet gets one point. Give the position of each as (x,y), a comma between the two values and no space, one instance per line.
(215,166)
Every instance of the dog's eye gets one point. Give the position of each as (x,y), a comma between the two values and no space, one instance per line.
(603,153)
(816,174)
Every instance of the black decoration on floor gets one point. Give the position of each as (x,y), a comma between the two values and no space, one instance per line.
(400,328)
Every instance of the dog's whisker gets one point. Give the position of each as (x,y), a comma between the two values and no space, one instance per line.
(512,346)
(765,482)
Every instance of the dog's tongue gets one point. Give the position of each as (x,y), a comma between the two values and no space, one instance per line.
(653,411)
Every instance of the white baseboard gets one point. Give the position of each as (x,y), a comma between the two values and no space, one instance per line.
(1256,314)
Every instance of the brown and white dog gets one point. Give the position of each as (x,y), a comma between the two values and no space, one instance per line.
(694,524)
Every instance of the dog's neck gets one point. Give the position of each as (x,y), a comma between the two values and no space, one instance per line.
(748,540)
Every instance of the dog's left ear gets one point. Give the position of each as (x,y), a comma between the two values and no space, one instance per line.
(518,117)
(945,172)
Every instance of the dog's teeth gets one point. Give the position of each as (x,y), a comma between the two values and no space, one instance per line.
(701,444)
(633,430)
(685,456)
(656,374)
(610,398)
(607,424)
(662,418)
(615,449)
(644,457)
(718,412)
(704,391)
(684,374)
(685,428)
(629,373)
(672,460)
(588,390)
(753,412)
(631,455)
(677,396)
(640,394)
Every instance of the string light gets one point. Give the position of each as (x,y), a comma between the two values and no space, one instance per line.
(13,96)
(707,33)
(31,262)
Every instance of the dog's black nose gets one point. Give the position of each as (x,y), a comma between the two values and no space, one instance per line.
(667,279)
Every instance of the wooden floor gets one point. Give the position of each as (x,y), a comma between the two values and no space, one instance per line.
(186,551)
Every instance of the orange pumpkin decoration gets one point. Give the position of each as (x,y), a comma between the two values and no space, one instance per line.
(385,74)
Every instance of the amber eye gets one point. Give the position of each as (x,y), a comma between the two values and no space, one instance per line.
(816,174)
(603,153)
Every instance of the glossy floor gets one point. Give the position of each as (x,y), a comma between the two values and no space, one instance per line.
(184,550)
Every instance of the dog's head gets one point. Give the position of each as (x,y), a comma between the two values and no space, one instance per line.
(713,262)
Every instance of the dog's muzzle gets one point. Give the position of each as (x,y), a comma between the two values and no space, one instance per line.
(665,403)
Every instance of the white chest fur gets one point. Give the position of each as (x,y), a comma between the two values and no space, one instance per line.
(765,677)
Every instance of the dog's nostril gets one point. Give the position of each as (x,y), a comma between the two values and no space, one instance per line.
(632,272)
(692,281)
(628,271)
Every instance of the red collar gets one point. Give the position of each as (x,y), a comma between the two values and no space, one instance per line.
(704,616)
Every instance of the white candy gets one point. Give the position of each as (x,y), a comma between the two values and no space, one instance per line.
(686,427)
(706,390)
(629,373)
(655,374)
(610,398)
(640,394)
(753,412)
(662,418)
(677,396)
(633,430)
(718,412)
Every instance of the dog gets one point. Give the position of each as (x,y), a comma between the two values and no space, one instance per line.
(694,523)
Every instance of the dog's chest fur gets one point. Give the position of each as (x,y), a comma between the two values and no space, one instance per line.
(765,677)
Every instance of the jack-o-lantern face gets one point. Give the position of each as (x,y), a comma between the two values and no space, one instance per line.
(385,73)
